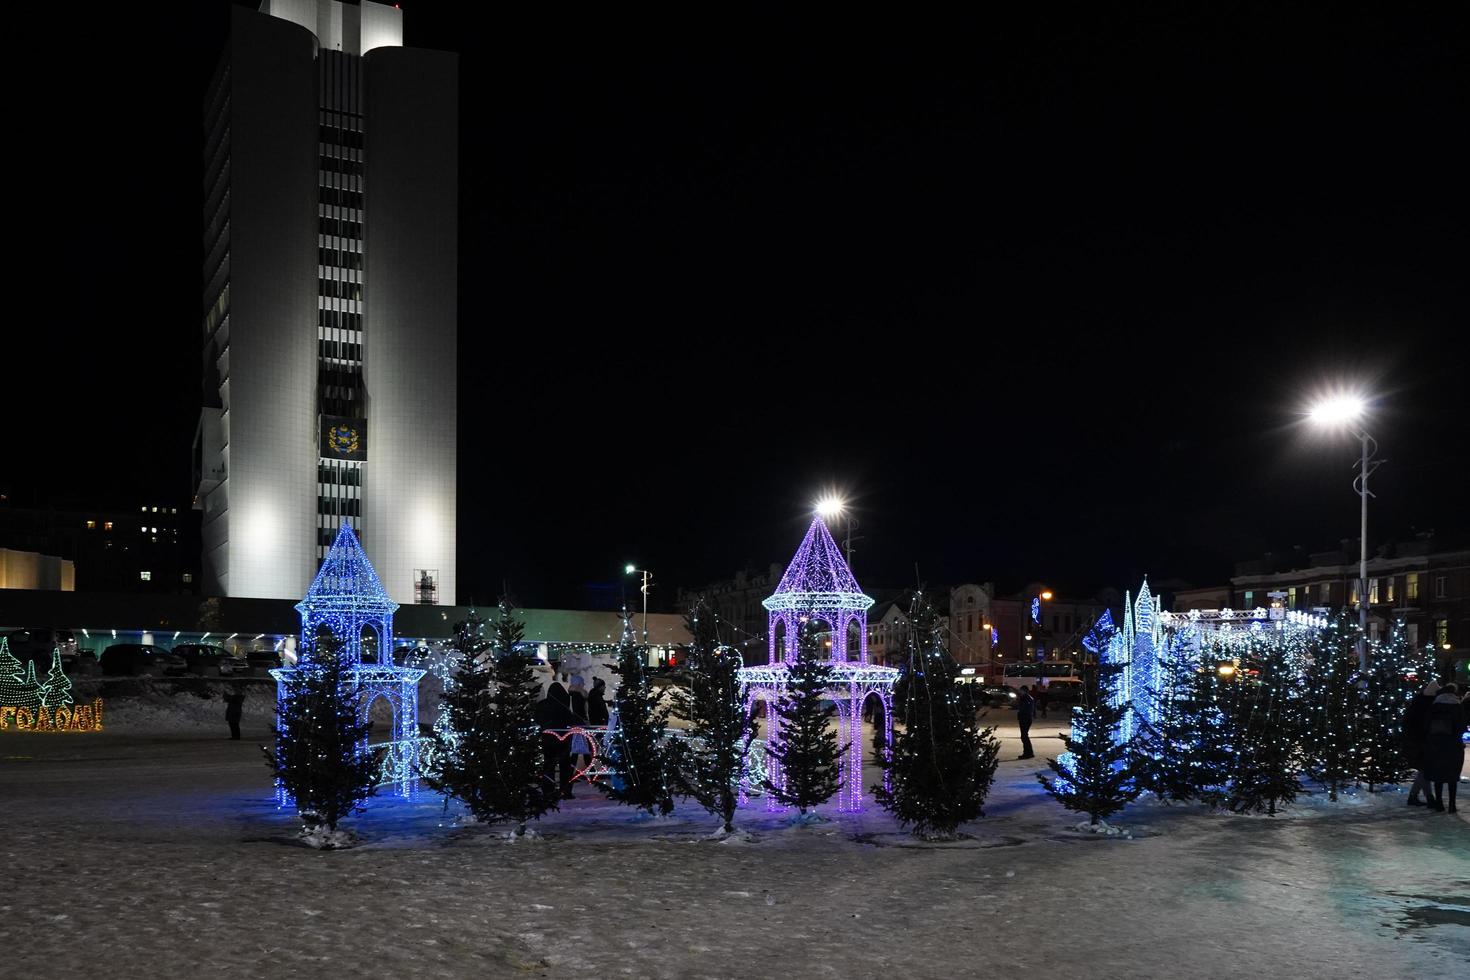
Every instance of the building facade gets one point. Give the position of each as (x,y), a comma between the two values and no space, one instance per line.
(150,548)
(329,305)
(1421,582)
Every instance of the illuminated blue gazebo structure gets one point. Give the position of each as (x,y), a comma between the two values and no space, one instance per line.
(819,587)
(347,600)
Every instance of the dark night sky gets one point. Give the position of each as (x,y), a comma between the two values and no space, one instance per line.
(1044,296)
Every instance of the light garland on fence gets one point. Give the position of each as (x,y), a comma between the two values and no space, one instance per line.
(29,705)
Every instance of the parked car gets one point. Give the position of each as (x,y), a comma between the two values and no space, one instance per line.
(37,642)
(206,659)
(996,696)
(141,660)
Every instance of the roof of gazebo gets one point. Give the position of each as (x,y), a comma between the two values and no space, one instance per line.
(818,577)
(346,581)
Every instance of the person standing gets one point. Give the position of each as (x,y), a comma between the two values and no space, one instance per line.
(234,708)
(1025,712)
(597,704)
(1444,752)
(581,751)
(1416,725)
(554,715)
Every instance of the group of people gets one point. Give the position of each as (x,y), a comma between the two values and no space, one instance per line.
(1434,726)
(567,707)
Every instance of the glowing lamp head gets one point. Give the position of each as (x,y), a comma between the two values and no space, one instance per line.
(1226,670)
(829,507)
(1337,410)
(629,569)
(1046,595)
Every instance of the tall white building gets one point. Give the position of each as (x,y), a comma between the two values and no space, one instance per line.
(331,178)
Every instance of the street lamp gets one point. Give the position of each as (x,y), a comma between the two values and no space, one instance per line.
(1342,411)
(830,507)
(647,581)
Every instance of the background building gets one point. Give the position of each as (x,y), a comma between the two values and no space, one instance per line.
(102,548)
(329,306)
(1423,582)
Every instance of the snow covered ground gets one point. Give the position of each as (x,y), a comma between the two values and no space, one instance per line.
(154,849)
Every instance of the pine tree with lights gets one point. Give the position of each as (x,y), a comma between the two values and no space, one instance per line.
(1207,729)
(1265,723)
(1332,707)
(56,688)
(942,764)
(489,751)
(805,745)
(1168,758)
(18,685)
(1098,778)
(640,750)
(1396,671)
(712,761)
(321,756)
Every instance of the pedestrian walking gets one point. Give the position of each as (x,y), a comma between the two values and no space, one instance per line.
(234,708)
(1444,752)
(1416,730)
(1025,712)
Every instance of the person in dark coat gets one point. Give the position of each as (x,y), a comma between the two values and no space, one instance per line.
(1416,723)
(597,704)
(234,707)
(554,712)
(1444,751)
(1025,712)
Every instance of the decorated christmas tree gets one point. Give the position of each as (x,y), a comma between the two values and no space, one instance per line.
(1096,775)
(639,750)
(805,743)
(1168,745)
(1264,715)
(489,750)
(18,685)
(321,756)
(1332,707)
(56,689)
(942,765)
(712,760)
(1206,729)
(1396,671)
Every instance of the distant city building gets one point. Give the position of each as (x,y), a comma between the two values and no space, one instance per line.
(737,602)
(329,305)
(153,548)
(29,570)
(1212,597)
(1421,582)
(970,626)
(1028,626)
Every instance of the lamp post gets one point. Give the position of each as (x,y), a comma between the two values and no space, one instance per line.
(832,506)
(647,581)
(1344,411)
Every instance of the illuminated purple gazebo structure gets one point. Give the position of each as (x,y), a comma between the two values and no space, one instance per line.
(347,599)
(819,587)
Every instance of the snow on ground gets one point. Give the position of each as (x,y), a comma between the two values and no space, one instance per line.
(149,853)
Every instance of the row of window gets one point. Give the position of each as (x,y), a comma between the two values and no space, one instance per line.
(337,165)
(337,197)
(340,227)
(346,476)
(339,350)
(338,289)
(1383,590)
(326,535)
(339,506)
(339,258)
(335,136)
(338,320)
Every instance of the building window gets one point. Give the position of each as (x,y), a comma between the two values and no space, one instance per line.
(1353,594)
(145,576)
(1326,593)
(1373,631)
(1439,586)
(970,623)
(1291,597)
(91,525)
(1442,632)
(1411,587)
(188,577)
(1250,599)
(1372,591)
(1389,585)
(107,525)
(1413,634)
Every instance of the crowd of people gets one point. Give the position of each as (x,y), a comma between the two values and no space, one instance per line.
(1434,727)
(566,707)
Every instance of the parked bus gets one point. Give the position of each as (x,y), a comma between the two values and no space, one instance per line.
(1047,673)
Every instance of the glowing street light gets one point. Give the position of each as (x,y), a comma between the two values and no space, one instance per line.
(1046,595)
(628,569)
(830,507)
(1343,410)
